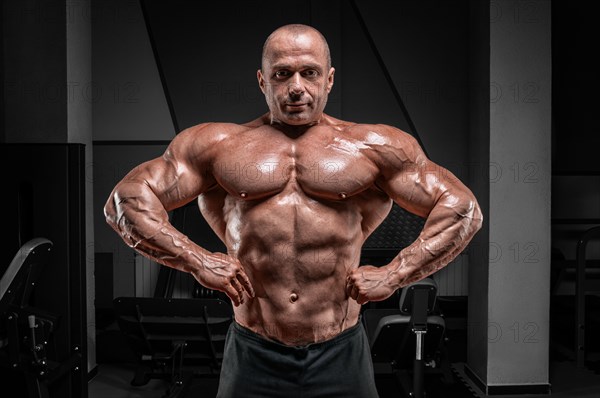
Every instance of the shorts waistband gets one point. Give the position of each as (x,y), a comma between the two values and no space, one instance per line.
(351,332)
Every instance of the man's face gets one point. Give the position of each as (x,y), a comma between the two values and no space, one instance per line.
(296,78)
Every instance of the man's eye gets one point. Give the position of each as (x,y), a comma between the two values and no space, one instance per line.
(282,73)
(310,73)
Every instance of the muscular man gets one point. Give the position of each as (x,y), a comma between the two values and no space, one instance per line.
(293,195)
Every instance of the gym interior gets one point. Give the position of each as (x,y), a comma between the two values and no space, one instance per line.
(499,92)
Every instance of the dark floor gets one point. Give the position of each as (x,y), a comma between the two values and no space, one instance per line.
(116,363)
(113,381)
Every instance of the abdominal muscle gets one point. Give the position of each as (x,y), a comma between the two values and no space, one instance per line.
(297,253)
(318,313)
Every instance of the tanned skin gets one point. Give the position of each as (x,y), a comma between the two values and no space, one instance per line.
(294,195)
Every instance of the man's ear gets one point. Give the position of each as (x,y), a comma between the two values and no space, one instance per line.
(261,80)
(330,79)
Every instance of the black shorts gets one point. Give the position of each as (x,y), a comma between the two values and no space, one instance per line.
(256,367)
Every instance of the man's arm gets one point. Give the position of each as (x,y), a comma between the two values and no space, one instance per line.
(420,186)
(137,210)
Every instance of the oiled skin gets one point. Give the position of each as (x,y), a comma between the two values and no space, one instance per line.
(293,195)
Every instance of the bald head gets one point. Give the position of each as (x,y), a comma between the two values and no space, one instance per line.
(294,32)
(296,76)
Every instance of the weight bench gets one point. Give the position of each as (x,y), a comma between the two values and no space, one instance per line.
(25,331)
(408,340)
(174,339)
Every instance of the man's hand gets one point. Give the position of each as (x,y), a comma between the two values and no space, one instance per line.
(225,273)
(368,283)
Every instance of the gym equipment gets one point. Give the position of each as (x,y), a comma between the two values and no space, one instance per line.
(409,339)
(45,197)
(581,260)
(26,331)
(581,268)
(174,339)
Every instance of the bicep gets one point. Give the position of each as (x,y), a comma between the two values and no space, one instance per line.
(421,188)
(173,179)
(412,180)
(161,180)
(415,188)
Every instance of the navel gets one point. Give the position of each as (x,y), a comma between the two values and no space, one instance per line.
(293,297)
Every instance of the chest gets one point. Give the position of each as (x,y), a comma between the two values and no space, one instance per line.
(255,167)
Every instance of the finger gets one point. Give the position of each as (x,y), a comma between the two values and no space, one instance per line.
(239,288)
(349,285)
(233,294)
(354,293)
(362,299)
(243,278)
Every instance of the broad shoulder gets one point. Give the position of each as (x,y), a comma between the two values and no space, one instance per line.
(379,133)
(198,143)
(206,135)
(385,143)
(209,133)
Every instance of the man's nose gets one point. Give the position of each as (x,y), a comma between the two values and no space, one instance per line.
(295,87)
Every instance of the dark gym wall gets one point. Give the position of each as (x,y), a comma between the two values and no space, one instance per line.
(479,154)
(209,53)
(34,72)
(576,169)
(575,84)
(46,66)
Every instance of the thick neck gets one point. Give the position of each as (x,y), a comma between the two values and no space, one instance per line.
(293,130)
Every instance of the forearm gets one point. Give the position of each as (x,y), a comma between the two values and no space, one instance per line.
(141,220)
(448,230)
